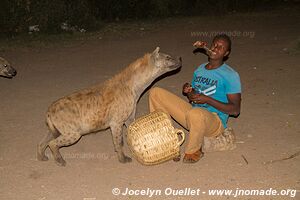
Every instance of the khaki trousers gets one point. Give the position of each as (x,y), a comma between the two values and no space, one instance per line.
(198,121)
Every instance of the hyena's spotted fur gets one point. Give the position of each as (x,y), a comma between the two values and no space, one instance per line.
(111,104)
(6,70)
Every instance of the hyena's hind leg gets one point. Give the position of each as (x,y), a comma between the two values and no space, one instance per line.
(61,141)
(116,131)
(44,144)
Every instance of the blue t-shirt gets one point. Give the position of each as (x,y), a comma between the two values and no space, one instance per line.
(216,83)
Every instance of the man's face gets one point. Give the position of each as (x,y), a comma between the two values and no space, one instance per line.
(220,47)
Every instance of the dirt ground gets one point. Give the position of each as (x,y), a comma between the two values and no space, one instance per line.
(266,55)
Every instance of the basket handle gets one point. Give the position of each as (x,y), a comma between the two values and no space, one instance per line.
(181,133)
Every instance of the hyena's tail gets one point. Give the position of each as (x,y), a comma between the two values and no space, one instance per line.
(51,127)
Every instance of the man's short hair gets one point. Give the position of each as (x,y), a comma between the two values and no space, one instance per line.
(224,37)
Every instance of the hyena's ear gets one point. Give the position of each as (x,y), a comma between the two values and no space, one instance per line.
(155,54)
(156,51)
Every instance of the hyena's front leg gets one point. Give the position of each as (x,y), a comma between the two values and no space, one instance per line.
(131,118)
(116,131)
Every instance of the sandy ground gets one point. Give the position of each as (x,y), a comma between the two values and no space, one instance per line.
(267,129)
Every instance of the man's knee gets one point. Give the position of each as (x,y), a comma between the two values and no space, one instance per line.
(154,92)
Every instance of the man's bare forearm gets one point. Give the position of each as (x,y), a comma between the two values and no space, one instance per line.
(229,108)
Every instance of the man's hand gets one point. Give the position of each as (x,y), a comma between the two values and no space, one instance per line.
(187,88)
(232,107)
(197,98)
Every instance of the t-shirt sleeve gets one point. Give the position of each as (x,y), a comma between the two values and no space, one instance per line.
(233,85)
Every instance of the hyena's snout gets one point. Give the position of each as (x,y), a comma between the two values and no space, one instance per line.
(5,69)
(10,71)
(180,61)
(177,63)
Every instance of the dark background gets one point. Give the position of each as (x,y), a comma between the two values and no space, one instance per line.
(17,15)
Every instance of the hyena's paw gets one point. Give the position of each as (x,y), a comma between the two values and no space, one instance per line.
(60,162)
(42,157)
(125,159)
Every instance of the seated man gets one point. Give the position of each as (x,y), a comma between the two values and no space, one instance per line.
(214,94)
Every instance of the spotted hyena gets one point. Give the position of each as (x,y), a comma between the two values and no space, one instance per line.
(108,105)
(6,70)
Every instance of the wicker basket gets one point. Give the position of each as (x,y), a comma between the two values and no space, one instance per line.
(152,139)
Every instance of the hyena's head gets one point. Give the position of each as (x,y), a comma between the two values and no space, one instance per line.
(6,70)
(165,62)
